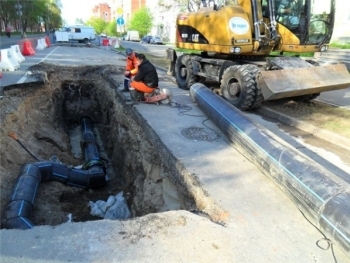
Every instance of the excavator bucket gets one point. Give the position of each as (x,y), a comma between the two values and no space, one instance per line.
(292,82)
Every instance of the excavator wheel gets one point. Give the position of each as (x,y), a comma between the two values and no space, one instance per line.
(258,98)
(238,86)
(184,72)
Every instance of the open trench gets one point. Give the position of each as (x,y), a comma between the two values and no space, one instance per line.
(46,117)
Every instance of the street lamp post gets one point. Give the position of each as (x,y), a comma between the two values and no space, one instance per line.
(19,12)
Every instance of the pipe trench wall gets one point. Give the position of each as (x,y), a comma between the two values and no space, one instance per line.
(142,161)
(315,190)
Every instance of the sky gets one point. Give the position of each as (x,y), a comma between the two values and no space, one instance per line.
(72,9)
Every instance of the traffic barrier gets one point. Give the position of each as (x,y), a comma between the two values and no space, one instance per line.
(117,43)
(28,49)
(14,56)
(105,42)
(7,62)
(40,45)
(44,42)
(18,53)
(47,41)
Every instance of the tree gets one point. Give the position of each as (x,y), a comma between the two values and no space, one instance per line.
(24,14)
(142,21)
(98,23)
(190,5)
(111,29)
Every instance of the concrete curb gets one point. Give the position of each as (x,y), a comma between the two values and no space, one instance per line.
(326,135)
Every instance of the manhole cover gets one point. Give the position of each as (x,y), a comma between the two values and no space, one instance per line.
(200,134)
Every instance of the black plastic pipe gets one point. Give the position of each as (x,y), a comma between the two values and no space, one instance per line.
(19,209)
(315,190)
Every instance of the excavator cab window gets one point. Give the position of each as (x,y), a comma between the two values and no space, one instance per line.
(289,12)
(310,20)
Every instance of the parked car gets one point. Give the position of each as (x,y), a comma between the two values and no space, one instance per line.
(103,35)
(146,39)
(156,41)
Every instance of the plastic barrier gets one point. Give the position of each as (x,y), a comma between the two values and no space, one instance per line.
(28,49)
(7,63)
(47,41)
(117,43)
(105,42)
(18,53)
(40,45)
(14,56)
(43,42)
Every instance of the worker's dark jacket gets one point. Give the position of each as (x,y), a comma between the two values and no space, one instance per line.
(147,74)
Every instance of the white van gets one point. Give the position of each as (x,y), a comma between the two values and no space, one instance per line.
(80,33)
(132,35)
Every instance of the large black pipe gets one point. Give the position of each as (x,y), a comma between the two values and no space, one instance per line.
(315,190)
(19,209)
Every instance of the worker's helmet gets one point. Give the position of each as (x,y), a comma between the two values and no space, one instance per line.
(128,51)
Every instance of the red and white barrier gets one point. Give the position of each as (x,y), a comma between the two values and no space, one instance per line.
(47,41)
(28,49)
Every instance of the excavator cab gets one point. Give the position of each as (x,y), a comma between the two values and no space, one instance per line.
(305,22)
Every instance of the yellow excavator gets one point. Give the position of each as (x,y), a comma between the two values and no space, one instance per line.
(233,45)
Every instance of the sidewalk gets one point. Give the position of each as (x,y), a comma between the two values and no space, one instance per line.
(262,223)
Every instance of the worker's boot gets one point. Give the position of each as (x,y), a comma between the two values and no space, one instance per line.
(126,84)
(133,97)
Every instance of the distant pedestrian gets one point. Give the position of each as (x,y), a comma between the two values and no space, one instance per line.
(8,31)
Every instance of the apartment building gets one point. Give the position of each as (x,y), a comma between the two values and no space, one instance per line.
(112,9)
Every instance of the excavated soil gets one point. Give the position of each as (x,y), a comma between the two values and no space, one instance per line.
(45,115)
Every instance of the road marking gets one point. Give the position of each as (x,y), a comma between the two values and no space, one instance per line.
(48,55)
(23,79)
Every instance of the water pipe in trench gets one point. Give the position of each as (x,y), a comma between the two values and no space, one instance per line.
(19,208)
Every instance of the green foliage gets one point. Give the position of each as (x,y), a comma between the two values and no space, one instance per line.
(98,23)
(340,45)
(111,29)
(33,13)
(142,21)
(292,54)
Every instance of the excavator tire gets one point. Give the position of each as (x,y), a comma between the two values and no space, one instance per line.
(184,72)
(258,98)
(238,86)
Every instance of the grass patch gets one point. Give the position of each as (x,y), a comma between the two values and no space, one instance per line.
(316,113)
(340,45)
(293,54)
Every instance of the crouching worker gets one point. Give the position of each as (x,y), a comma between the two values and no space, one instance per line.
(131,68)
(144,86)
